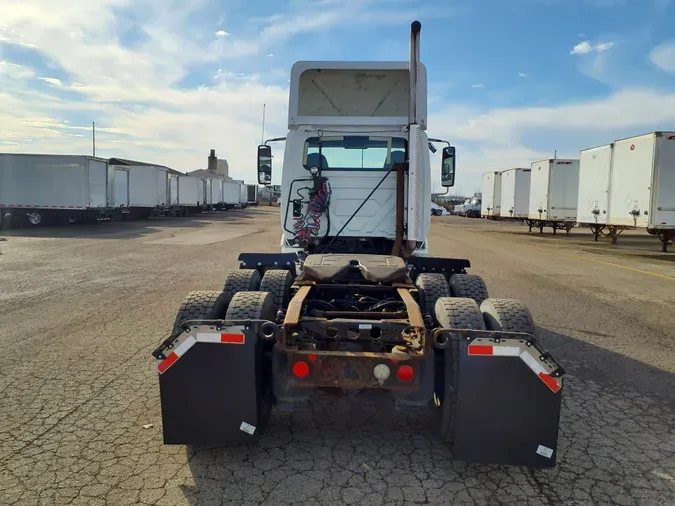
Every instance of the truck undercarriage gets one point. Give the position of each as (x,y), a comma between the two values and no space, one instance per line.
(435,342)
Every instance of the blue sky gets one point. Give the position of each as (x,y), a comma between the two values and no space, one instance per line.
(167,80)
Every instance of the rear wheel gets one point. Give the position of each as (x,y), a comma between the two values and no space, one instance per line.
(204,305)
(508,315)
(252,306)
(468,286)
(432,286)
(257,306)
(458,313)
(241,280)
(278,282)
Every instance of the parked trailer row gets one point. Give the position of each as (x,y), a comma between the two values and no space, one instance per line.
(623,185)
(629,184)
(46,189)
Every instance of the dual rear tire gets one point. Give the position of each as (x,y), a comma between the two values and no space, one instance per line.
(506,315)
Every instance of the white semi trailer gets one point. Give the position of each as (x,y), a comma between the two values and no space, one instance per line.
(491,206)
(231,194)
(515,194)
(47,189)
(354,300)
(141,191)
(554,190)
(642,184)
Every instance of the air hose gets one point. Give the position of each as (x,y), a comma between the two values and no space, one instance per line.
(309,224)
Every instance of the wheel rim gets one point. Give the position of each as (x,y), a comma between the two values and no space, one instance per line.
(34,218)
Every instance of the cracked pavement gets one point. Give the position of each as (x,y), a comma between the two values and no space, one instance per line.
(82,308)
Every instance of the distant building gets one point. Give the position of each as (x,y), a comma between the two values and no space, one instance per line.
(217,168)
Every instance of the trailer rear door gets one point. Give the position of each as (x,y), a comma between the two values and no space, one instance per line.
(173,183)
(98,183)
(631,180)
(539,180)
(121,192)
(663,198)
(163,194)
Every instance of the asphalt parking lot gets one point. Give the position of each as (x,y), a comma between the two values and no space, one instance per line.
(82,307)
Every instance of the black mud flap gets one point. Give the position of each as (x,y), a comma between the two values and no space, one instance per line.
(508,398)
(212,387)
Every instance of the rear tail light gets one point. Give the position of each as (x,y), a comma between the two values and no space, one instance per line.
(405,373)
(301,369)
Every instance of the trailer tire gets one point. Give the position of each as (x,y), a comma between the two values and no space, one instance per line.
(202,305)
(432,286)
(459,313)
(469,286)
(241,280)
(508,315)
(278,282)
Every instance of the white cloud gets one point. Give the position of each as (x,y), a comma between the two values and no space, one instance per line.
(663,56)
(15,71)
(478,86)
(522,74)
(586,47)
(51,80)
(221,33)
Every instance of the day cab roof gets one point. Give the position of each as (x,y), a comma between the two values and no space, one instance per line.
(354,93)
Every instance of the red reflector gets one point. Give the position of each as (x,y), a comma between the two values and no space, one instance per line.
(167,362)
(479,349)
(301,369)
(405,373)
(550,381)
(312,357)
(232,338)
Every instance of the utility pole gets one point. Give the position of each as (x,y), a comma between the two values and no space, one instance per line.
(93,138)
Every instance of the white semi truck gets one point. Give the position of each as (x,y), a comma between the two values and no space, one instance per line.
(354,300)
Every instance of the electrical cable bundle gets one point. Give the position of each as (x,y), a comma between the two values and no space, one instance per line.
(309,224)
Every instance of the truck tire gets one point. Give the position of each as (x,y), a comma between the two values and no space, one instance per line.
(278,282)
(241,280)
(200,306)
(459,313)
(468,286)
(252,306)
(432,286)
(508,315)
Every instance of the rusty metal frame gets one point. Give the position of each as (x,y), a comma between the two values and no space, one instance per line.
(350,369)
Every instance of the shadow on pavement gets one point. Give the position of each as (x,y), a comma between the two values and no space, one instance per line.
(131,229)
(608,368)
(361,443)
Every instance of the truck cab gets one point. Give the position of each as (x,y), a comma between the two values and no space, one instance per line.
(349,134)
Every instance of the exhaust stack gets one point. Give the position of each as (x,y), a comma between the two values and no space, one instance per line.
(415,158)
(415,30)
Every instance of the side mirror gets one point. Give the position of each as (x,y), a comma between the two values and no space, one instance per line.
(264,165)
(448,167)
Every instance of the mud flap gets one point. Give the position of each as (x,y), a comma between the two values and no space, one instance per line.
(212,387)
(507,402)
